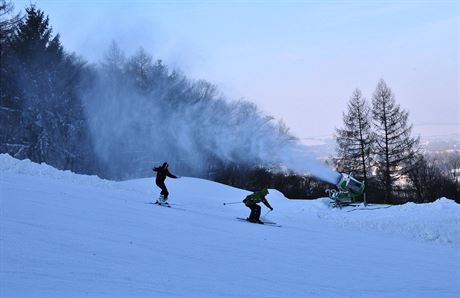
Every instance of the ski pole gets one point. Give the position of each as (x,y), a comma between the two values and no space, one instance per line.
(267,213)
(232,203)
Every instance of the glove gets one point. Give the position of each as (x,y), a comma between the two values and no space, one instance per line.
(271,208)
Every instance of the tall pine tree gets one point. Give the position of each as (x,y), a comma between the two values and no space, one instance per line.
(10,112)
(35,62)
(394,147)
(47,80)
(355,138)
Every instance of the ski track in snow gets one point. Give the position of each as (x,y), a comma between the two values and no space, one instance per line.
(68,235)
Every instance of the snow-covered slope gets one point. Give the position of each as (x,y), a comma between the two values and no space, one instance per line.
(68,235)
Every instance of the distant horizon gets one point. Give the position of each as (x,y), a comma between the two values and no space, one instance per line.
(299,61)
(450,142)
(435,130)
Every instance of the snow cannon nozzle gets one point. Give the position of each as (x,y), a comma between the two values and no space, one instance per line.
(350,184)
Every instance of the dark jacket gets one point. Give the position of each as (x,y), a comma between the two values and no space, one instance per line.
(257,197)
(162,172)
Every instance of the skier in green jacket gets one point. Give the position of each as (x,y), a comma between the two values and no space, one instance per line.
(251,202)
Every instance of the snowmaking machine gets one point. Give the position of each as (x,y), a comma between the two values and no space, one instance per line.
(348,189)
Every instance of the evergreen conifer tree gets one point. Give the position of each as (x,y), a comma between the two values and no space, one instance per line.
(394,147)
(47,80)
(10,112)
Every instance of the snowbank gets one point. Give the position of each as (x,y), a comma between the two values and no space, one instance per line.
(10,165)
(437,222)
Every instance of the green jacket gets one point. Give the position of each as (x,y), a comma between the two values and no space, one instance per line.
(257,197)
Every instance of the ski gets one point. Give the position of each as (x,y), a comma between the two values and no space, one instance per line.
(167,205)
(267,223)
(369,208)
(162,204)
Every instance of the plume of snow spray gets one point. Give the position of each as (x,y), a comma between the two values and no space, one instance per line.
(132,130)
(298,159)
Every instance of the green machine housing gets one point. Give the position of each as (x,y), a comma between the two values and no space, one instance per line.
(348,189)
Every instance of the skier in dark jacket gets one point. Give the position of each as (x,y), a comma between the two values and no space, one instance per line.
(162,172)
(251,202)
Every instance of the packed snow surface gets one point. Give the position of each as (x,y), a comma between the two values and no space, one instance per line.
(68,235)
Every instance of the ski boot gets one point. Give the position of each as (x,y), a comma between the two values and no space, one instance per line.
(161,200)
(254,220)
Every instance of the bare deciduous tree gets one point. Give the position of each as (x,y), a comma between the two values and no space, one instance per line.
(8,21)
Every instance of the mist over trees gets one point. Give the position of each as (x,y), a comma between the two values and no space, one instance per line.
(151,114)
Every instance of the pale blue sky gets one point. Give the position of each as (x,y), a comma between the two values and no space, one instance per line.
(298,60)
